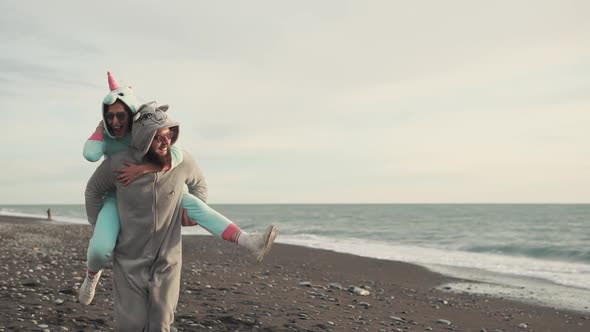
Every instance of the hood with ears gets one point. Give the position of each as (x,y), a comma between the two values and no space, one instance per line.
(149,118)
(125,94)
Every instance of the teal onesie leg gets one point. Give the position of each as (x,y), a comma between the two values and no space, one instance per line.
(106,230)
(104,238)
(211,220)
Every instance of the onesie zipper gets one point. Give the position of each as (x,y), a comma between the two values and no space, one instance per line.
(154,211)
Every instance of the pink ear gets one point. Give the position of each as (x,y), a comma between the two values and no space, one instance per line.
(113,85)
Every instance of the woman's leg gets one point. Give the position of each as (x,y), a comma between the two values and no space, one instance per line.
(221,227)
(211,220)
(100,247)
(104,238)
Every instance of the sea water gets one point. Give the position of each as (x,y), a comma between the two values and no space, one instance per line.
(532,252)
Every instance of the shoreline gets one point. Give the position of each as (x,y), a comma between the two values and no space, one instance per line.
(294,288)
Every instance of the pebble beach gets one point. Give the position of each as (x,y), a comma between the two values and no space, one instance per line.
(295,288)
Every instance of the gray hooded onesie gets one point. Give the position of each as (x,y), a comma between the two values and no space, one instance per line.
(148,255)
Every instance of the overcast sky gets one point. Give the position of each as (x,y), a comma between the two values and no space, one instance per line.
(310,101)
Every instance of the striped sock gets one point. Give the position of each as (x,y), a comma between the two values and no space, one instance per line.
(234,234)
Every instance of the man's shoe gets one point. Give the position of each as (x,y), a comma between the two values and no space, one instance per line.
(260,244)
(87,289)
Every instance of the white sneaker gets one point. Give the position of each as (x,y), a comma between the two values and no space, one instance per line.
(260,244)
(86,293)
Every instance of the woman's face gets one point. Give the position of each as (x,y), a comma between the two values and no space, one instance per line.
(118,119)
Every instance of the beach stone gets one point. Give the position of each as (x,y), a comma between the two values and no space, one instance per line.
(359,291)
(335,285)
(305,284)
(398,319)
(522,325)
(68,291)
(443,322)
(364,304)
(318,294)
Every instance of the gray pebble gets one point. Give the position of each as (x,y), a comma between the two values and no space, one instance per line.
(443,322)
(335,285)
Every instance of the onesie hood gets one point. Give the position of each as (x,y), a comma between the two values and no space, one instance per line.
(125,94)
(148,119)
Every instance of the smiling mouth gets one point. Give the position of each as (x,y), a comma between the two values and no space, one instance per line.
(118,130)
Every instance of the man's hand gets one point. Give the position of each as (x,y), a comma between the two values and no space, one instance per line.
(186,221)
(133,171)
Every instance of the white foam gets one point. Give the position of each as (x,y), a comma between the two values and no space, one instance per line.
(450,261)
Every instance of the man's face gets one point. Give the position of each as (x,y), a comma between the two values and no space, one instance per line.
(117,118)
(161,143)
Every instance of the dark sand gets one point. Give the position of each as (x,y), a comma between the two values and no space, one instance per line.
(42,264)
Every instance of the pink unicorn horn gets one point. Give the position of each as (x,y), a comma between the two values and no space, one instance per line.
(113,85)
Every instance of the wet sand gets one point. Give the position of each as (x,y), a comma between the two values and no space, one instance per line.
(42,265)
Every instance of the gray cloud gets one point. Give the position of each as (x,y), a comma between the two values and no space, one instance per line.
(13,69)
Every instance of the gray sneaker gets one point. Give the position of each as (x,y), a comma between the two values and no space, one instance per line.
(87,289)
(260,244)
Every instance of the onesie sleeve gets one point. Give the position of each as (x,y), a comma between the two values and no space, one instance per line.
(101,182)
(94,147)
(195,181)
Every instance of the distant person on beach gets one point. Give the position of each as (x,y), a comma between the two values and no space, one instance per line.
(147,259)
(113,135)
(49,214)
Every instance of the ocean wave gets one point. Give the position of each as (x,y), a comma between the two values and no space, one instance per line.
(542,251)
(552,271)
(526,241)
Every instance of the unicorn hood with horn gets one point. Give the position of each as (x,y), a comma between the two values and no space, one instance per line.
(124,94)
